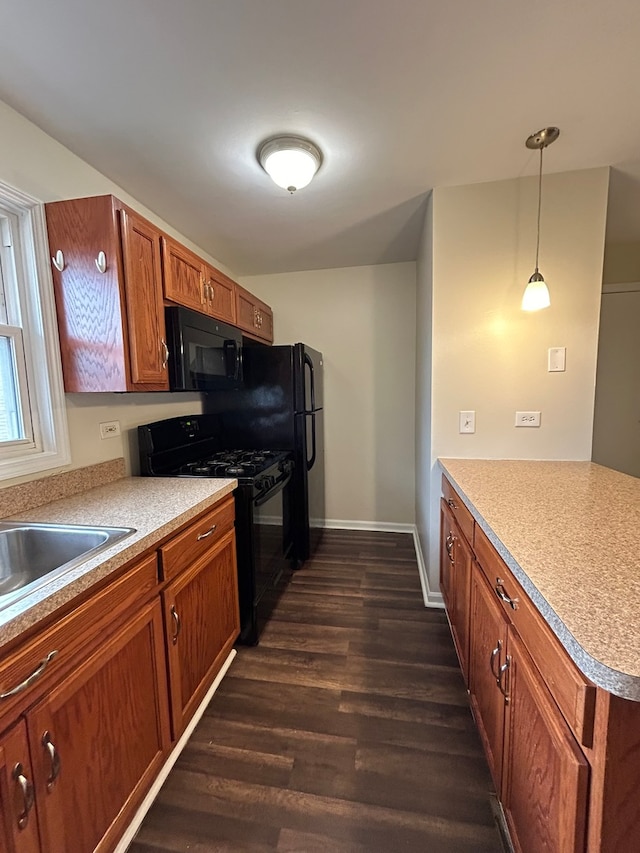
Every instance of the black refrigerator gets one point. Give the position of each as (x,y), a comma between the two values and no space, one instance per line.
(280,407)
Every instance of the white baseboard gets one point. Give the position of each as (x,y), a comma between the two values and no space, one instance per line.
(431,597)
(146,804)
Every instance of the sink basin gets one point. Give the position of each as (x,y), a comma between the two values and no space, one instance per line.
(32,555)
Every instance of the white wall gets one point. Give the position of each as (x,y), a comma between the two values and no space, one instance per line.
(424,322)
(490,356)
(37,164)
(363,320)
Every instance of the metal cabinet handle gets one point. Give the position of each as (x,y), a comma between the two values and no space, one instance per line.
(101,262)
(35,675)
(165,350)
(208,533)
(502,671)
(212,292)
(502,595)
(176,619)
(54,758)
(452,503)
(492,658)
(26,789)
(449,546)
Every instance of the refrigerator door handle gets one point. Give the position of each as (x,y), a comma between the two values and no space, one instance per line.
(311,462)
(309,363)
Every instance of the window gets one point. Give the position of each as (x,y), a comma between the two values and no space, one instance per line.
(33,428)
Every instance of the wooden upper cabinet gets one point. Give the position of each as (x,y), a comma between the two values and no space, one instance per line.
(253,316)
(220,295)
(183,275)
(191,282)
(145,309)
(108,296)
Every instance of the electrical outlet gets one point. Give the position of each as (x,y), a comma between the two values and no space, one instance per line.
(467,422)
(110,429)
(527,419)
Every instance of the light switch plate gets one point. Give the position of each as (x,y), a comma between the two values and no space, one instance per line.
(557,359)
(467,422)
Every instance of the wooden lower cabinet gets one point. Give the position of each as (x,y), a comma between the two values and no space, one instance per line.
(202,621)
(564,754)
(99,737)
(18,820)
(456,561)
(487,655)
(545,774)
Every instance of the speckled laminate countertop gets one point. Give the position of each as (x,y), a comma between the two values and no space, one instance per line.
(570,533)
(155,507)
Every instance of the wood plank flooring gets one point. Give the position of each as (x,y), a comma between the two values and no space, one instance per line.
(347,730)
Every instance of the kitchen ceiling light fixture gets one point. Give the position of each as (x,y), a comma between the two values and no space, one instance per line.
(536,294)
(290,161)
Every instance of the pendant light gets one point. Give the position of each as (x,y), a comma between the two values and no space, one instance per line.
(290,161)
(536,294)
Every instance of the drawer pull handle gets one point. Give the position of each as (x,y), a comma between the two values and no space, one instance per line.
(26,789)
(211,530)
(503,671)
(176,619)
(492,658)
(54,758)
(35,675)
(165,351)
(449,545)
(500,592)
(452,503)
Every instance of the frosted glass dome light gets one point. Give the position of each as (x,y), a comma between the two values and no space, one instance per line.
(290,161)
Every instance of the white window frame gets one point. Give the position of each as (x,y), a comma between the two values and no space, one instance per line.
(47,443)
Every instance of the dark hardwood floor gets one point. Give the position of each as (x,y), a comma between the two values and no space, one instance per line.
(347,730)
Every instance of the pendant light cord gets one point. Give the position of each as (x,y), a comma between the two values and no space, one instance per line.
(539,205)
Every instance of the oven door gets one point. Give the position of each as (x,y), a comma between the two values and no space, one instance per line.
(272,547)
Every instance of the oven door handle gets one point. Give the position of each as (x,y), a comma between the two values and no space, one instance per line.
(278,487)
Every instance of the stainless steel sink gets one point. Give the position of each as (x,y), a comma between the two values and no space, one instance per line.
(32,555)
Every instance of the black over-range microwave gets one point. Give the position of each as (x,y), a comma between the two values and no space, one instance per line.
(204,354)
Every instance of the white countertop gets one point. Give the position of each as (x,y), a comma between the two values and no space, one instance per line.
(155,507)
(570,533)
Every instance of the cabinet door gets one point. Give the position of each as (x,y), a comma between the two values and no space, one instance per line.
(203,622)
(456,560)
(487,653)
(89,303)
(100,737)
(447,558)
(245,310)
(545,774)
(183,275)
(145,309)
(220,295)
(18,823)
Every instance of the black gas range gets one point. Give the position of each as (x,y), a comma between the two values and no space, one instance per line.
(243,465)
(189,447)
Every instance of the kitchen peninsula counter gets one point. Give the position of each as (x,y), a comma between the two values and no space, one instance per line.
(155,507)
(570,533)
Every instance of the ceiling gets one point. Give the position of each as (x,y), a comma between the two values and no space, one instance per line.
(171,99)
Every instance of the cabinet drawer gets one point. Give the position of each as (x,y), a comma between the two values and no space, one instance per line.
(187,546)
(72,634)
(459,510)
(573,693)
